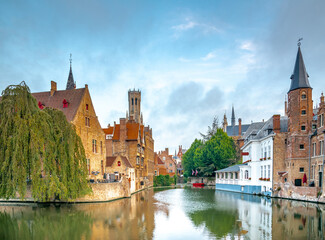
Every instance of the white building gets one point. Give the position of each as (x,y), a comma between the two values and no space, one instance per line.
(255,174)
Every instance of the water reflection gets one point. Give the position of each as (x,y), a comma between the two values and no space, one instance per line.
(169,214)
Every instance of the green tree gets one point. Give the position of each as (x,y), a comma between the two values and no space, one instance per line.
(218,152)
(38,147)
(190,158)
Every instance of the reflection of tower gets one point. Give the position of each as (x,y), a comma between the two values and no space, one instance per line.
(135,105)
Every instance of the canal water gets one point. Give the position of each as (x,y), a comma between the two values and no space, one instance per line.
(188,213)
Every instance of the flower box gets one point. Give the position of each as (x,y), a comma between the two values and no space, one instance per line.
(261,159)
(269,158)
(249,178)
(261,179)
(265,158)
(267,179)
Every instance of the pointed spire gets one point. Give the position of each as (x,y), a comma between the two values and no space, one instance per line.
(233,119)
(70,83)
(299,78)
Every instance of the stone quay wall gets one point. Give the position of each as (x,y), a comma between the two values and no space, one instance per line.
(101,192)
(107,191)
(288,191)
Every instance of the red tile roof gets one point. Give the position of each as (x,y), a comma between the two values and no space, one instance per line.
(132,131)
(111,160)
(160,161)
(72,96)
(116,135)
(108,130)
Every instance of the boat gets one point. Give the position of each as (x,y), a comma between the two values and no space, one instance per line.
(198,184)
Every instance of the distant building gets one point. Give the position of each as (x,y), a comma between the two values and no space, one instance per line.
(131,139)
(168,160)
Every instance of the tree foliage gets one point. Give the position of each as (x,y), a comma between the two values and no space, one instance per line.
(164,180)
(38,148)
(211,130)
(216,153)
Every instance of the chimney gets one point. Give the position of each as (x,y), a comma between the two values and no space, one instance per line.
(276,123)
(166,150)
(53,88)
(123,130)
(321,100)
(239,126)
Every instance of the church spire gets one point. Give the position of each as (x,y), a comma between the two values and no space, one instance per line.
(233,119)
(70,83)
(299,78)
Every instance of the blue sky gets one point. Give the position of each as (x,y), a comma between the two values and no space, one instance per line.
(191,59)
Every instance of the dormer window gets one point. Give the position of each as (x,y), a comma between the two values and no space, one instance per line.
(119,163)
(87,107)
(40,105)
(65,103)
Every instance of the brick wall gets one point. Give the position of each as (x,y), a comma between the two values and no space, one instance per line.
(88,133)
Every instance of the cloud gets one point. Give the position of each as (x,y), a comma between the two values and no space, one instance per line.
(209,56)
(190,24)
(185,26)
(247,45)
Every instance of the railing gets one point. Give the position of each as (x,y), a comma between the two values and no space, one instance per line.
(227,181)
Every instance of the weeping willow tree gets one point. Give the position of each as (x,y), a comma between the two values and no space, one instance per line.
(39,149)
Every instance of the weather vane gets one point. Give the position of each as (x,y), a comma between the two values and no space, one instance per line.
(299,41)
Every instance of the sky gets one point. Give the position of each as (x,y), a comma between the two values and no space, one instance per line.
(192,60)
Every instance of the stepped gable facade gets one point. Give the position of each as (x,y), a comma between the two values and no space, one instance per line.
(77,106)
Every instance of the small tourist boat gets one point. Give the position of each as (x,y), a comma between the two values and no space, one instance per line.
(198,184)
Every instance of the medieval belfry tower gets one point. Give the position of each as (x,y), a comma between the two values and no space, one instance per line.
(135,105)
(300,114)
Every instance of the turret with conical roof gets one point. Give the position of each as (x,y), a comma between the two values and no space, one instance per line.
(300,103)
(299,78)
(70,82)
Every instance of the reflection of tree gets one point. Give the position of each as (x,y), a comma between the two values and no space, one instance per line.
(45,225)
(218,222)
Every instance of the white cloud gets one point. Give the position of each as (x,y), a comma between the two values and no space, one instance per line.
(185,26)
(189,24)
(209,56)
(247,45)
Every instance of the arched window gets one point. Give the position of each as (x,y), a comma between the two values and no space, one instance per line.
(303,95)
(132,101)
(136,101)
(119,163)
(303,111)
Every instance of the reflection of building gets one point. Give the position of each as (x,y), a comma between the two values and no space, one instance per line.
(132,140)
(77,106)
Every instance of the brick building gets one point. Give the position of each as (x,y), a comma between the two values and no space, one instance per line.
(131,139)
(168,160)
(77,106)
(159,166)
